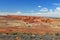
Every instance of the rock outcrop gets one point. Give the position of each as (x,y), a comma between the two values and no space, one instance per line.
(13,23)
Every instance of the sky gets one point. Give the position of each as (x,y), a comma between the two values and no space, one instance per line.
(48,8)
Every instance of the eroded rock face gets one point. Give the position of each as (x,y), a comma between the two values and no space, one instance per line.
(30,19)
(21,20)
(29,23)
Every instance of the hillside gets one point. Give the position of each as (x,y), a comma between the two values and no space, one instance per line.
(33,24)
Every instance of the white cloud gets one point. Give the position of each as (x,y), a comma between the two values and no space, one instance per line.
(39,6)
(8,13)
(44,10)
(58,8)
(57,4)
(48,13)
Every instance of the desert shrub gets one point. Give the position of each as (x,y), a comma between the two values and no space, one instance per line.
(57,34)
(13,33)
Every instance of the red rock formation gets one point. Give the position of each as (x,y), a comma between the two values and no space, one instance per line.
(28,19)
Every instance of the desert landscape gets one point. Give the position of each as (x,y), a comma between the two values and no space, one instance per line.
(29,19)
(29,24)
(32,25)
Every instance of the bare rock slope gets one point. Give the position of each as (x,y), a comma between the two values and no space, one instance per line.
(33,24)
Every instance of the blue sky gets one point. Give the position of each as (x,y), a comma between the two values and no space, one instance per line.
(30,7)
